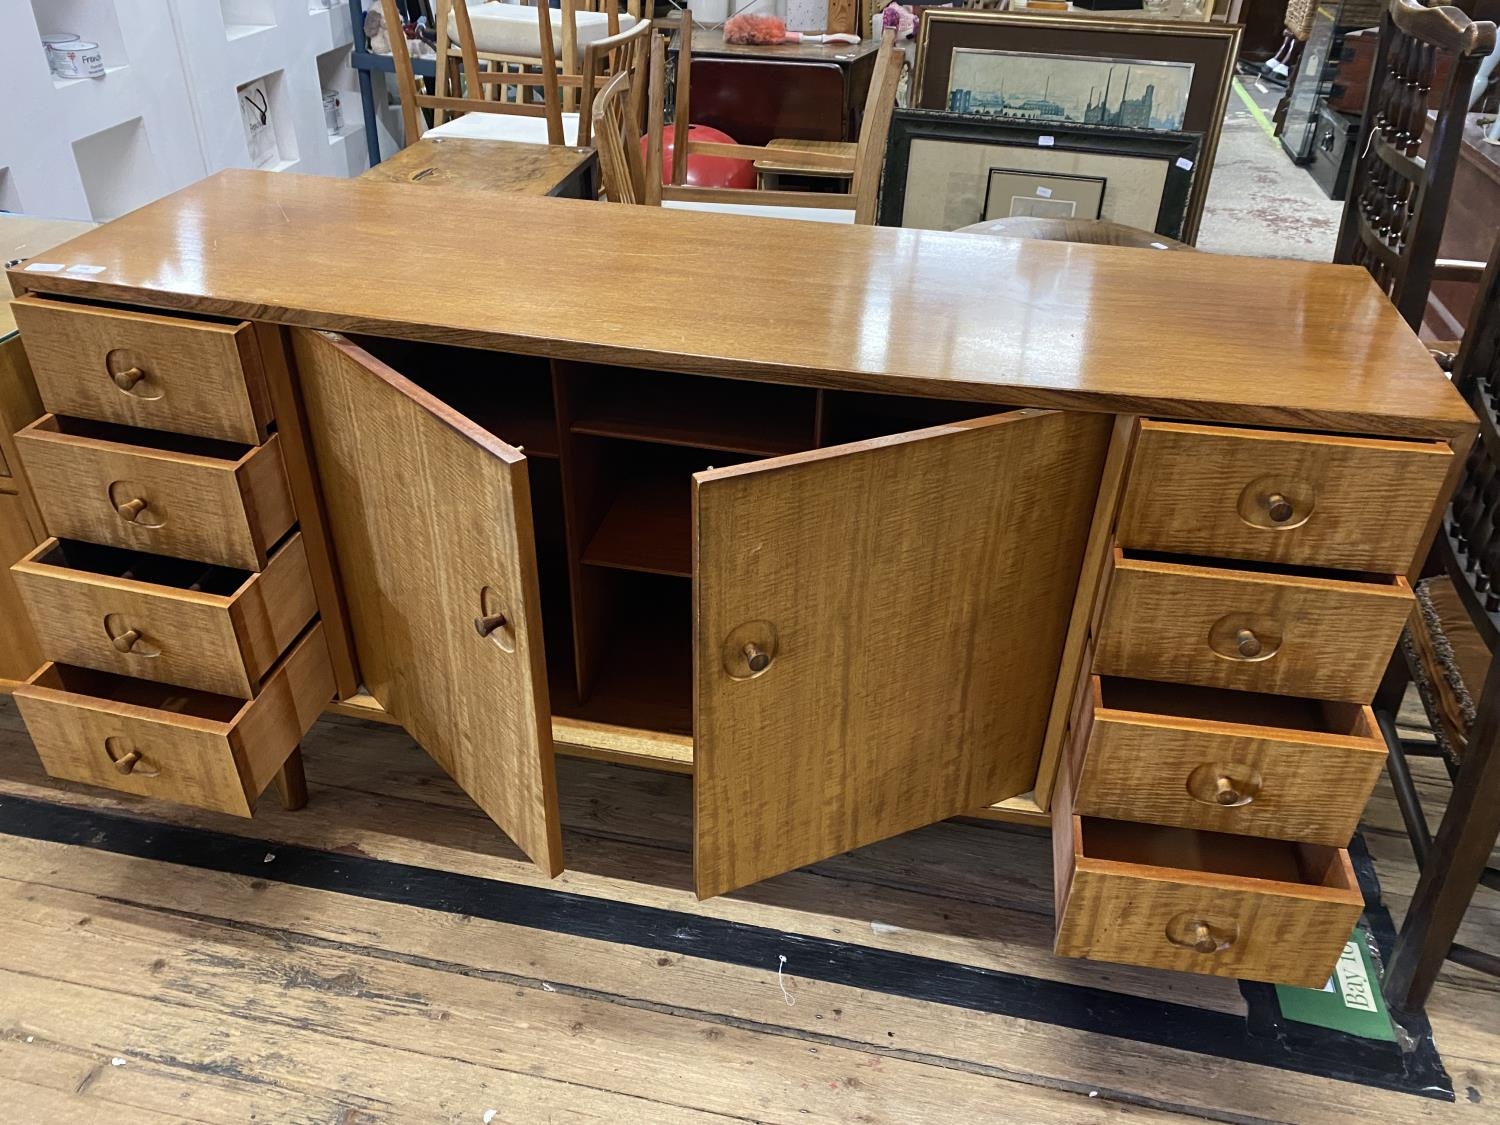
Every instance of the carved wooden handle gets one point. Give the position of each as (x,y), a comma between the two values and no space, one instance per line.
(128,378)
(126,763)
(130,509)
(1278,507)
(1246,643)
(126,640)
(1226,792)
(484,626)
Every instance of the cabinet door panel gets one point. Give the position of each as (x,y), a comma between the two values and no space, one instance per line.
(908,598)
(431,523)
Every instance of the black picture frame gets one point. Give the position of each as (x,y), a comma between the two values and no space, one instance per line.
(1210,47)
(1178,151)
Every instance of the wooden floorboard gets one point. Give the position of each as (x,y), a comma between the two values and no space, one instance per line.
(226,996)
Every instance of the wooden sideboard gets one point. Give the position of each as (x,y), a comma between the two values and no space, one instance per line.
(867,529)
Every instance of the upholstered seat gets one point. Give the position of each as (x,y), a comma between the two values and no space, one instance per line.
(505,127)
(1095,232)
(765,211)
(511,29)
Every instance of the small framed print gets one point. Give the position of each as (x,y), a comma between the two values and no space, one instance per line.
(940,172)
(1038,195)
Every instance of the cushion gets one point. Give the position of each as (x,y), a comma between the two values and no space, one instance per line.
(505,127)
(806,214)
(511,29)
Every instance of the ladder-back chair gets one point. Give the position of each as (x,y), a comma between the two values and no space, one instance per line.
(1450,649)
(1398,199)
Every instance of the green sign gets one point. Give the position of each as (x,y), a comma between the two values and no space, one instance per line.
(1349,1002)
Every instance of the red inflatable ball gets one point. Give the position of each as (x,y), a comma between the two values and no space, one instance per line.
(706,171)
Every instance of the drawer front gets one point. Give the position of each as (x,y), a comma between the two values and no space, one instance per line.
(1308,500)
(222,643)
(1253,780)
(192,507)
(135,740)
(1280,635)
(1224,925)
(138,369)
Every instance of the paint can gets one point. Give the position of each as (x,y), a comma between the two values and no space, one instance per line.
(333,112)
(76,59)
(52,42)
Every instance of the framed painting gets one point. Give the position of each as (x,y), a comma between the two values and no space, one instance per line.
(944,171)
(1042,195)
(1150,74)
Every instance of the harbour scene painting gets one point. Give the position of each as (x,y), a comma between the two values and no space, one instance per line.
(1068,89)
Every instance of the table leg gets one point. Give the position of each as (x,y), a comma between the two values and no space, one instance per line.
(291,782)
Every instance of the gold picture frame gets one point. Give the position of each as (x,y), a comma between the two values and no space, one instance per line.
(1210,47)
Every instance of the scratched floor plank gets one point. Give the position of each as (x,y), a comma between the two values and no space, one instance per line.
(229,997)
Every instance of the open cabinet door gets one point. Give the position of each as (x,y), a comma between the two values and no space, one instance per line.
(877,632)
(431,522)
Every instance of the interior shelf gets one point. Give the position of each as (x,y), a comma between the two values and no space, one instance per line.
(648,528)
(690,410)
(643,671)
(635,502)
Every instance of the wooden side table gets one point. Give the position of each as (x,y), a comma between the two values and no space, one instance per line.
(758,93)
(508,166)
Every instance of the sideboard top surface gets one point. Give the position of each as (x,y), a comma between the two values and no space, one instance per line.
(1198,336)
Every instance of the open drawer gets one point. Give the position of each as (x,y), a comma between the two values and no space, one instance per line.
(1250,626)
(213,628)
(1200,902)
(175,744)
(1226,761)
(169,494)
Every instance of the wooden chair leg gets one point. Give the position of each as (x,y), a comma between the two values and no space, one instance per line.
(1467,835)
(291,782)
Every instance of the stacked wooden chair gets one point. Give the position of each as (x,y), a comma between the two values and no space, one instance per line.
(1398,197)
(511,72)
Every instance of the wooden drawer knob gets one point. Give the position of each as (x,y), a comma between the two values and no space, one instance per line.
(484,626)
(749,649)
(1201,935)
(126,763)
(1246,636)
(127,379)
(130,509)
(1277,503)
(126,640)
(1224,784)
(1225,792)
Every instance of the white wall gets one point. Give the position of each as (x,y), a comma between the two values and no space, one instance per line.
(167,112)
